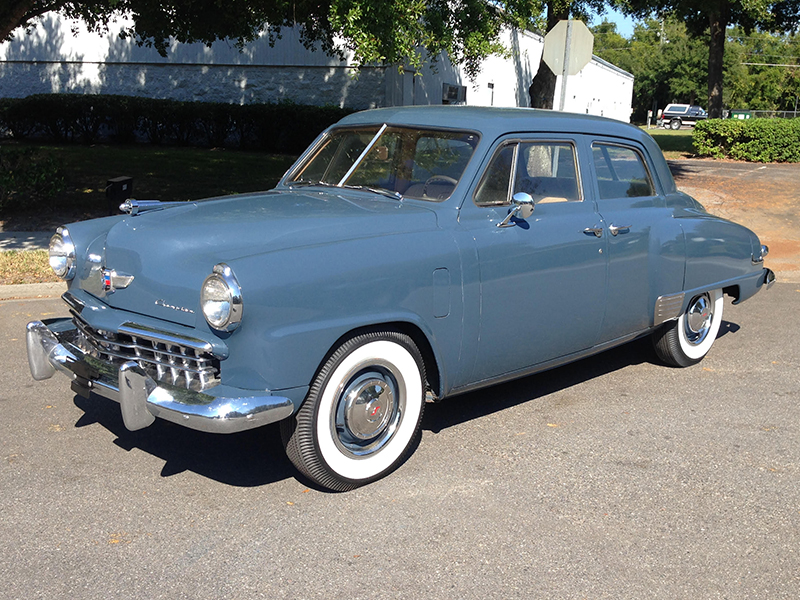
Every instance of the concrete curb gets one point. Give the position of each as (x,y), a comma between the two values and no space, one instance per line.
(32,290)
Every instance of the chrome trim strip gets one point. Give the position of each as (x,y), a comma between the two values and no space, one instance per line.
(139,395)
(73,302)
(362,156)
(668,308)
(155,335)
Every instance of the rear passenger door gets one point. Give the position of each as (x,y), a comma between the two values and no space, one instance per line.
(631,209)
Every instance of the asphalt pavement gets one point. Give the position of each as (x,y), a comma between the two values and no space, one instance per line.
(614,477)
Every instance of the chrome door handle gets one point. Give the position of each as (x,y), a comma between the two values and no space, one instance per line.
(614,229)
(597,231)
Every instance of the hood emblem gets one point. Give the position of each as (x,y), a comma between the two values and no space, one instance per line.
(115,281)
(161,302)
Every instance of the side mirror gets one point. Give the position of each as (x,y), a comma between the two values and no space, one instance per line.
(523,208)
(524,203)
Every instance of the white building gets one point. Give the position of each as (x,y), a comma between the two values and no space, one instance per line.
(53,59)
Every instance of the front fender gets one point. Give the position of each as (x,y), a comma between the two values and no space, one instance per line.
(298,302)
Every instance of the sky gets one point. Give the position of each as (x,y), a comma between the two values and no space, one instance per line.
(624,24)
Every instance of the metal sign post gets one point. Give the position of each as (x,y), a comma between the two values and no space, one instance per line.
(565,66)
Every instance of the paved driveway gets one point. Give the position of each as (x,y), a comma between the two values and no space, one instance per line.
(610,478)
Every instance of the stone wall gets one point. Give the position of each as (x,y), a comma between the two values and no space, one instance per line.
(237,84)
(54,60)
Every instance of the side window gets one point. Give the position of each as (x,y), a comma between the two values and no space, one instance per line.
(545,170)
(621,172)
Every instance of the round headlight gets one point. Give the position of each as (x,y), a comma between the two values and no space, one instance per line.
(221,299)
(62,254)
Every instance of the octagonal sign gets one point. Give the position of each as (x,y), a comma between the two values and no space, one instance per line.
(569,41)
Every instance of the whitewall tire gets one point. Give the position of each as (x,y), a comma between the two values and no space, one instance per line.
(685,341)
(362,413)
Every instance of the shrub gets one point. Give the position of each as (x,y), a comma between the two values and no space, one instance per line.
(283,127)
(755,140)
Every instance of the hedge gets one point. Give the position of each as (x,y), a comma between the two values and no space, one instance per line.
(283,127)
(754,140)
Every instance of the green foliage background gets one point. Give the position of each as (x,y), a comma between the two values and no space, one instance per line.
(670,65)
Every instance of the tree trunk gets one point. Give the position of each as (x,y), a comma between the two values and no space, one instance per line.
(543,88)
(718,24)
(14,14)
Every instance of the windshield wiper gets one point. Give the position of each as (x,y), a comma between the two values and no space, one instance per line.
(376,190)
(309,182)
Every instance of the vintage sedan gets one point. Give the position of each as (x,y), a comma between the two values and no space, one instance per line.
(409,255)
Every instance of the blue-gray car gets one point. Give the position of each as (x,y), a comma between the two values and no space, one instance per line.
(409,255)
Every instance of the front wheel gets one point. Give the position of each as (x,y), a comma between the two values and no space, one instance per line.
(685,341)
(362,412)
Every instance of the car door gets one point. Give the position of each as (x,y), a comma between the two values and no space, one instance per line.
(542,278)
(636,225)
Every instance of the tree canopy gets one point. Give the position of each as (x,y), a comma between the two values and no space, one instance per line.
(375,31)
(713,17)
(670,65)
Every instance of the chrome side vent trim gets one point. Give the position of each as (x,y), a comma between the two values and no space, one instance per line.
(668,308)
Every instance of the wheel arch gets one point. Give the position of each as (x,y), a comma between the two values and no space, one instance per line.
(433,376)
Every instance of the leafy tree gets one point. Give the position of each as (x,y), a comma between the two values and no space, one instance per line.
(383,31)
(669,65)
(714,17)
(755,75)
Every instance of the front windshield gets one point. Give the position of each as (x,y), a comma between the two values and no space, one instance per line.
(401,161)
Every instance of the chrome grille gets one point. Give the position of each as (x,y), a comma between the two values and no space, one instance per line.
(162,357)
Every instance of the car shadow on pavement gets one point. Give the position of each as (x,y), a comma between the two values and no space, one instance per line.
(487,401)
(681,170)
(245,459)
(256,457)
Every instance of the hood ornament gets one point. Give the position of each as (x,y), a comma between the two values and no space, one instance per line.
(134,207)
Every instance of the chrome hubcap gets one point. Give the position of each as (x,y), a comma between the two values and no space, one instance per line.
(368,412)
(698,320)
(368,407)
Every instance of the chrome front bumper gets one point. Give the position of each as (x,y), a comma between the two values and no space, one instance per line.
(141,398)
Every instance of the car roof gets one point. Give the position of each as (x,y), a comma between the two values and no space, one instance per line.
(494,122)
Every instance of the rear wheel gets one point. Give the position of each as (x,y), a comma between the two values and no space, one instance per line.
(685,341)
(675,124)
(362,413)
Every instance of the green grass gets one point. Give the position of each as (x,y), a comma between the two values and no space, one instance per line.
(674,144)
(159,173)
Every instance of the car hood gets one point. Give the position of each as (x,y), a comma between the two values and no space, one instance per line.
(169,252)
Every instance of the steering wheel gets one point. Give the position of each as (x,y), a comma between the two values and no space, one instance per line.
(438,179)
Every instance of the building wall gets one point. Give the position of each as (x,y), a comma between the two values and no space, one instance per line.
(599,89)
(54,60)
